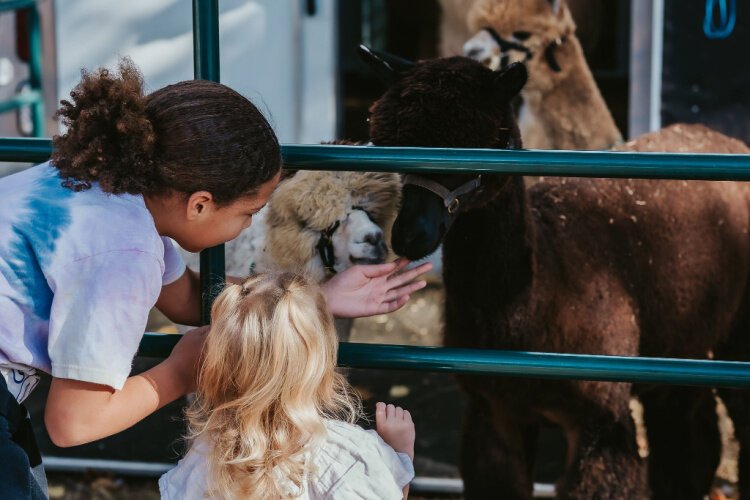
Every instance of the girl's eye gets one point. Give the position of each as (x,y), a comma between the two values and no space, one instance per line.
(521,35)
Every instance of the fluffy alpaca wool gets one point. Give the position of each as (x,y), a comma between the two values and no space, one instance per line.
(310,202)
(284,235)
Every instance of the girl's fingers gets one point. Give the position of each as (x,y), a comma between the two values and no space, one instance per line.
(394,293)
(407,416)
(378,270)
(401,263)
(379,411)
(390,411)
(394,305)
(399,413)
(395,280)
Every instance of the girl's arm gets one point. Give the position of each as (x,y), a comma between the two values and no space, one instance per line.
(181,301)
(80,412)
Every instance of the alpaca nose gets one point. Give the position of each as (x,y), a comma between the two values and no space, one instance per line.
(374,239)
(475,53)
(413,244)
(377,242)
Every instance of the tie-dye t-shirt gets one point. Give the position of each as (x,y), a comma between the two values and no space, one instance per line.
(79,273)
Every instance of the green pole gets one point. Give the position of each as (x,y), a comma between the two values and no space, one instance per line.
(35,70)
(716,167)
(688,372)
(206,64)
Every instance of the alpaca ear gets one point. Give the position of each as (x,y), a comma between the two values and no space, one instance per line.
(387,67)
(510,80)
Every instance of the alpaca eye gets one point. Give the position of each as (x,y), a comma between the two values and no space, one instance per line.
(521,35)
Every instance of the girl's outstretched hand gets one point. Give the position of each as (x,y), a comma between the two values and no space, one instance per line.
(369,290)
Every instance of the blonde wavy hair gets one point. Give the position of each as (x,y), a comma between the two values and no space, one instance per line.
(266,385)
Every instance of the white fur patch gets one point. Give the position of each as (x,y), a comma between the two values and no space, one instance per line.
(483,48)
(358,240)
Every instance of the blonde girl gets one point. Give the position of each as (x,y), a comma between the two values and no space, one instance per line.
(272,418)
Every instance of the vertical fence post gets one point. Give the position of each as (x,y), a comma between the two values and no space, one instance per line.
(206,64)
(35,70)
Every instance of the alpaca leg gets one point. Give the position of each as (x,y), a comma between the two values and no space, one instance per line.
(492,465)
(605,463)
(737,402)
(684,441)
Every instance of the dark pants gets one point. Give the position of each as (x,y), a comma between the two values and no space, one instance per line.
(18,450)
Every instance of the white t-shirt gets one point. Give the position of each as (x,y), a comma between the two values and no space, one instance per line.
(351,463)
(79,272)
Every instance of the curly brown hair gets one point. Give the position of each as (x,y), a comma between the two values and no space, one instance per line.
(191,136)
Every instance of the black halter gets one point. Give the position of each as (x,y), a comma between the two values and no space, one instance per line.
(325,247)
(451,199)
(506,45)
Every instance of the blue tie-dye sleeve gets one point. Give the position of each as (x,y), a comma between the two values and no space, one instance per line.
(99,313)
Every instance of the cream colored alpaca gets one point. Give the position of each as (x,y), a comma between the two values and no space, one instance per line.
(354,209)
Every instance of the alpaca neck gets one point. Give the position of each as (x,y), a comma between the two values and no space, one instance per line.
(487,253)
(571,114)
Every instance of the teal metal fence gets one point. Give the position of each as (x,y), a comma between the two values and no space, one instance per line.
(715,167)
(553,163)
(30,95)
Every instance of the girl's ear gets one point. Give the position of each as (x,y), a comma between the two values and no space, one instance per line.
(387,67)
(197,204)
(509,81)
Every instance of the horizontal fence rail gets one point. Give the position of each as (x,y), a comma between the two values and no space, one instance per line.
(488,362)
(441,160)
(519,364)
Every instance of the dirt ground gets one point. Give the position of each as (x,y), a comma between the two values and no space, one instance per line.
(434,399)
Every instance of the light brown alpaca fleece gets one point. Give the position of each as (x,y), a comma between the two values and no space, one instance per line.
(564,110)
(310,202)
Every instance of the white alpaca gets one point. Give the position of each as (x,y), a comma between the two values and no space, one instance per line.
(356,239)
(318,223)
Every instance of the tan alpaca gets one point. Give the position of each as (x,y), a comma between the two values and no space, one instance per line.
(562,109)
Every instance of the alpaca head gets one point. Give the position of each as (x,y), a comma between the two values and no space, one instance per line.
(450,103)
(324,222)
(530,31)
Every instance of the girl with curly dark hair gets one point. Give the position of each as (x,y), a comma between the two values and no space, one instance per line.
(86,252)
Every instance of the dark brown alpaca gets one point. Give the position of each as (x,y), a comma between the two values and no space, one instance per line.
(619,267)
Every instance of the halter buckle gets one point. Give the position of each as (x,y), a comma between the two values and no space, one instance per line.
(453,206)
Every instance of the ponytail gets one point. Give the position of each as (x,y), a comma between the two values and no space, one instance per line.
(187,137)
(109,137)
